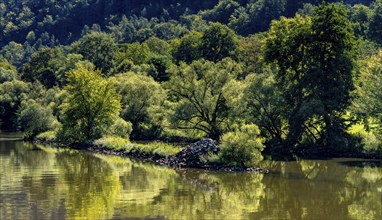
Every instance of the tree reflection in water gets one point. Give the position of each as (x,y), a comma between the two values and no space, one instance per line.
(43,182)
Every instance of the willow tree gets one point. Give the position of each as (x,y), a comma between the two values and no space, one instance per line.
(139,94)
(198,89)
(92,105)
(315,60)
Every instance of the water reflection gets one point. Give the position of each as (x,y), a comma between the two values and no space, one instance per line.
(42,182)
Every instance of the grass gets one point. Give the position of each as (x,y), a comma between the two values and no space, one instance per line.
(116,143)
(154,148)
(48,136)
(124,145)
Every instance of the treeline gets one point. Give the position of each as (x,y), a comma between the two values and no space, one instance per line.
(308,84)
(64,21)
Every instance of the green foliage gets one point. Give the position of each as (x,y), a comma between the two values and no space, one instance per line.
(187,49)
(49,66)
(99,48)
(156,148)
(158,46)
(8,72)
(199,89)
(43,67)
(14,53)
(169,30)
(91,107)
(367,106)
(34,118)
(257,16)
(221,12)
(302,96)
(371,145)
(6,65)
(121,128)
(375,26)
(139,94)
(135,52)
(48,136)
(368,141)
(7,75)
(218,42)
(258,100)
(315,58)
(242,147)
(12,93)
(306,10)
(250,52)
(115,143)
(360,17)
(123,67)
(160,65)
(152,149)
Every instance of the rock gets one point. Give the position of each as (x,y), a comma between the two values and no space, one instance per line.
(194,155)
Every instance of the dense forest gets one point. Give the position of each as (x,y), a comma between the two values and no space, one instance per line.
(290,77)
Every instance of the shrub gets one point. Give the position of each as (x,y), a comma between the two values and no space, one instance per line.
(35,118)
(242,147)
(367,142)
(371,144)
(121,128)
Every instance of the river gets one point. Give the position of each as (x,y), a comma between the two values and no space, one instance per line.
(44,182)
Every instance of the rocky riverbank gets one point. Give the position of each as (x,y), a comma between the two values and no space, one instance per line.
(195,155)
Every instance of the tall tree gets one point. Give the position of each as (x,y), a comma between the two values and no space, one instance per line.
(99,48)
(333,66)
(375,25)
(198,88)
(218,42)
(91,107)
(368,104)
(12,93)
(139,93)
(43,67)
(315,58)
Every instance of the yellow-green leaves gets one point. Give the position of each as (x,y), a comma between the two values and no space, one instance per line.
(199,89)
(242,147)
(92,104)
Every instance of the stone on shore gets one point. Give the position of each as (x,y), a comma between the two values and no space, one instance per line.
(194,155)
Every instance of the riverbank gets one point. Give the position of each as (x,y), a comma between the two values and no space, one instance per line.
(200,155)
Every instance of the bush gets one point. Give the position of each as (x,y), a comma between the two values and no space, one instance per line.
(367,142)
(242,147)
(121,128)
(371,144)
(34,118)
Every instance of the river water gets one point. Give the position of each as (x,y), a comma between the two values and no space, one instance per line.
(43,182)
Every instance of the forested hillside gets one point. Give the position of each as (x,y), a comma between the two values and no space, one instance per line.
(64,21)
(297,76)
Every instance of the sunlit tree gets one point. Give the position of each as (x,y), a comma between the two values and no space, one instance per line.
(91,107)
